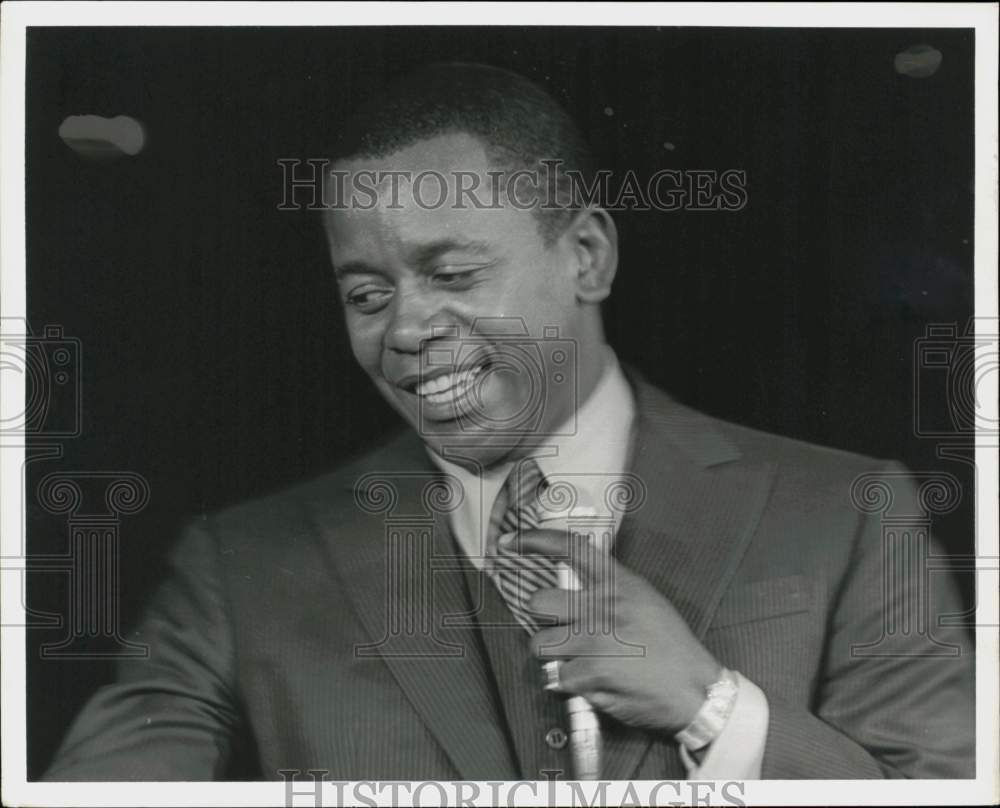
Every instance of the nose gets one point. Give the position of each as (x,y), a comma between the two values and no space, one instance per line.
(412,317)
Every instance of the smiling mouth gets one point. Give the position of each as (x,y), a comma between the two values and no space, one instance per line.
(448,388)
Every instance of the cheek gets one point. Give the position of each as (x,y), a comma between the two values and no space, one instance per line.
(366,344)
(545,291)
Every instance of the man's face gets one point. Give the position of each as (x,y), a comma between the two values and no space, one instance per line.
(415,276)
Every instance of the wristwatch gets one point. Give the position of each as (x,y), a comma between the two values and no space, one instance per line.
(711,718)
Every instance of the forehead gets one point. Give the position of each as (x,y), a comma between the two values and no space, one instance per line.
(416,197)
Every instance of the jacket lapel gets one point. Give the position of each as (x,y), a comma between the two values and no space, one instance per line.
(689,535)
(393,553)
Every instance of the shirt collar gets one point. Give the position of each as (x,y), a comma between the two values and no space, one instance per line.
(603,429)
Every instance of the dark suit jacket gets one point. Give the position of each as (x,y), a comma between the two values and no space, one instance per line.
(279,634)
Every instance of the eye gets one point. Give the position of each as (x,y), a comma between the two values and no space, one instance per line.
(368,298)
(456,277)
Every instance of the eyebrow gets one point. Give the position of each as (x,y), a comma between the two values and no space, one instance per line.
(354,268)
(425,253)
(419,256)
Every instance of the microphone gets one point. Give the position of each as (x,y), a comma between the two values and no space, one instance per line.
(584,726)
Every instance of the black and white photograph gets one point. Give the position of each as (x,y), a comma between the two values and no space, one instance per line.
(523,404)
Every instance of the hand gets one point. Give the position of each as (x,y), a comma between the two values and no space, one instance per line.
(625,647)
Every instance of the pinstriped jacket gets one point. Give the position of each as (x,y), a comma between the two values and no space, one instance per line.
(311,629)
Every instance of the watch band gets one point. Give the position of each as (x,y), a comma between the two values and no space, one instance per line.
(711,718)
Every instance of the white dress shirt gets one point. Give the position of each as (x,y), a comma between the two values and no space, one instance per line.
(590,457)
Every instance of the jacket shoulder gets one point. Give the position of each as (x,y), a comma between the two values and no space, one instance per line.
(757,443)
(710,440)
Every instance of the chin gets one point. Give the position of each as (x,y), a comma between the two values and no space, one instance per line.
(477,450)
(483,448)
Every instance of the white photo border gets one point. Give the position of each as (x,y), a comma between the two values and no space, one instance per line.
(16,17)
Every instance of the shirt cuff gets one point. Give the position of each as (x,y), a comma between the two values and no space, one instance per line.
(738,752)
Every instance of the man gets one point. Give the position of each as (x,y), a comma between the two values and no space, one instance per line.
(391,620)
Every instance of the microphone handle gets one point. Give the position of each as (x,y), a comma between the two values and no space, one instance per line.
(584,727)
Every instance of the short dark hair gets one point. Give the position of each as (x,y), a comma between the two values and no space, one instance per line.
(518,122)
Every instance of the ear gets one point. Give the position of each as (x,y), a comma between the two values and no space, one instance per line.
(593,240)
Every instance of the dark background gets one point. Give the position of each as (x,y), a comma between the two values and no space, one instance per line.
(213,360)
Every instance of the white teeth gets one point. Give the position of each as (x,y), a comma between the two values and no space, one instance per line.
(448,386)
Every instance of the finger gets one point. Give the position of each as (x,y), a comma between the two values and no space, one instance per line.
(585,677)
(543,541)
(585,609)
(552,603)
(569,547)
(556,642)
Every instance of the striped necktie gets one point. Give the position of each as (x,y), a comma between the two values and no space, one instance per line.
(517,576)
